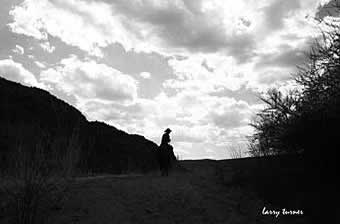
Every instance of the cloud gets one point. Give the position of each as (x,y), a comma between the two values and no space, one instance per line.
(278,11)
(47,47)
(208,73)
(145,75)
(14,71)
(19,50)
(194,117)
(39,64)
(327,8)
(87,80)
(166,28)
(231,116)
(207,59)
(188,27)
(170,27)
(77,23)
(272,76)
(285,57)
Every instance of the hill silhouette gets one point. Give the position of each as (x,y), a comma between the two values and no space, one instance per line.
(31,116)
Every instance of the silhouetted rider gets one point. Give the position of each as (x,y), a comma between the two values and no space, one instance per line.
(165,153)
(166,137)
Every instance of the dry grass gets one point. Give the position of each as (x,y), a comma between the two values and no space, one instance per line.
(36,183)
(190,196)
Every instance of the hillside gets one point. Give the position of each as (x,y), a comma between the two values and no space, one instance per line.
(31,116)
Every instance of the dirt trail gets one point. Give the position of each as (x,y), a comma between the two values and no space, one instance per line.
(191,196)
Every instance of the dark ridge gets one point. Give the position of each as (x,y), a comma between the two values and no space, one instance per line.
(30,115)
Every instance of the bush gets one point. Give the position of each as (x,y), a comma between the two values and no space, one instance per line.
(305,119)
(304,122)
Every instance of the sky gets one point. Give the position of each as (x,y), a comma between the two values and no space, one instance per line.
(197,67)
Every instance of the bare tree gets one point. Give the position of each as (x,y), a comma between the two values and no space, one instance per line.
(235,151)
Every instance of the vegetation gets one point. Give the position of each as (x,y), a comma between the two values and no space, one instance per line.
(301,125)
(35,181)
(305,119)
(235,151)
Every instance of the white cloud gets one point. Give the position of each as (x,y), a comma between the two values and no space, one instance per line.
(169,28)
(39,64)
(47,47)
(215,48)
(18,50)
(88,80)
(145,75)
(14,71)
(87,25)
(208,73)
(194,117)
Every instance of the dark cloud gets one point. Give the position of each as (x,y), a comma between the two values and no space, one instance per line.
(279,66)
(182,137)
(166,27)
(206,66)
(271,76)
(33,50)
(6,6)
(242,48)
(245,22)
(9,41)
(244,94)
(288,57)
(232,116)
(278,11)
(228,120)
(114,111)
(186,28)
(329,9)
(193,6)
(143,36)
(134,63)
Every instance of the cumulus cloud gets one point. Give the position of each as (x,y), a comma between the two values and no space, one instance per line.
(194,117)
(278,11)
(145,75)
(183,26)
(327,8)
(168,27)
(216,51)
(19,50)
(286,57)
(14,71)
(234,115)
(208,73)
(39,64)
(47,47)
(77,23)
(88,80)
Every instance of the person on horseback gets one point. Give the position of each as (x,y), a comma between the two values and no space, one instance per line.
(165,153)
(166,137)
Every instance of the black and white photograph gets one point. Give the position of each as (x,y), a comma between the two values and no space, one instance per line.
(169,111)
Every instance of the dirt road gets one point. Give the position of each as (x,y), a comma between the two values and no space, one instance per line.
(192,195)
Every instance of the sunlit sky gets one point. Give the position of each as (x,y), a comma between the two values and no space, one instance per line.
(195,66)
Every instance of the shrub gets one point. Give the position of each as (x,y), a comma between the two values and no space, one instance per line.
(304,120)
